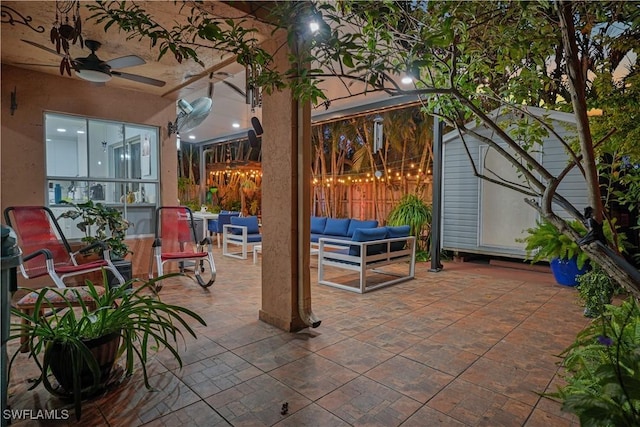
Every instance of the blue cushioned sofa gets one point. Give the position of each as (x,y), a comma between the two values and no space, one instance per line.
(349,245)
(243,232)
(336,228)
(216,225)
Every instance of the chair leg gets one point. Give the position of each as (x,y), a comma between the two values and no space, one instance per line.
(152,262)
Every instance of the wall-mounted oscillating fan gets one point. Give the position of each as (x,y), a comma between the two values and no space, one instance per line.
(190,115)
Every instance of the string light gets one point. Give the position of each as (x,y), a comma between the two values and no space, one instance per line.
(394,173)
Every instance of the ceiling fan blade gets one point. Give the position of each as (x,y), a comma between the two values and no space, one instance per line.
(236,88)
(139,79)
(125,61)
(218,75)
(39,46)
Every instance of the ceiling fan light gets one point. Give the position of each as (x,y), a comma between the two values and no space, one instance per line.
(93,76)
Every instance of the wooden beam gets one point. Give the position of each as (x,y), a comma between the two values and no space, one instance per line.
(260,10)
(220,65)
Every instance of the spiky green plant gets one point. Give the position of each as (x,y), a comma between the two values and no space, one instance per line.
(414,212)
(145,325)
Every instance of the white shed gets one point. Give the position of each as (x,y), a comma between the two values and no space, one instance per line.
(485,218)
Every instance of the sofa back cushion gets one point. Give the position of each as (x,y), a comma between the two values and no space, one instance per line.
(224,218)
(251,222)
(356,223)
(317,224)
(398,231)
(336,226)
(368,235)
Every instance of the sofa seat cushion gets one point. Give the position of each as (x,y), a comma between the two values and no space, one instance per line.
(72,295)
(251,238)
(356,223)
(251,222)
(254,238)
(368,235)
(317,224)
(336,227)
(395,232)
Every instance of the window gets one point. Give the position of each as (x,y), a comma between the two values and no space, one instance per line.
(108,162)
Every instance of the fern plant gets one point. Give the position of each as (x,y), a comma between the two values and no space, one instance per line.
(545,242)
(602,386)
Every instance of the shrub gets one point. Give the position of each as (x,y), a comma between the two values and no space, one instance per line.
(603,370)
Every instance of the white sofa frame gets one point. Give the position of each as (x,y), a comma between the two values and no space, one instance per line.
(228,238)
(364,263)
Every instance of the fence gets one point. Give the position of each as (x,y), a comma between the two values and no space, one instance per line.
(366,200)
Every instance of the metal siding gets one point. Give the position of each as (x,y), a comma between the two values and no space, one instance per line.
(459,197)
(461,190)
(573,186)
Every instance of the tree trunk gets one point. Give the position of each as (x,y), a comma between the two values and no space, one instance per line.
(577,88)
(616,266)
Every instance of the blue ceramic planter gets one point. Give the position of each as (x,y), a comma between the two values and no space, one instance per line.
(566,271)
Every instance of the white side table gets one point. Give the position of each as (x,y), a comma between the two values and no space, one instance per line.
(205,217)
(256,250)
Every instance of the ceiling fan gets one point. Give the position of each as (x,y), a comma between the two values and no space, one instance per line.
(219,76)
(93,69)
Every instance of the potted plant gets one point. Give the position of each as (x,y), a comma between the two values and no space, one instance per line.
(79,346)
(546,243)
(100,222)
(414,212)
(596,289)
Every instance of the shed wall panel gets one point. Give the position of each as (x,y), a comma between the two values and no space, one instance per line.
(461,189)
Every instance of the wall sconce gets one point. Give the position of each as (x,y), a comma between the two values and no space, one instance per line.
(104,146)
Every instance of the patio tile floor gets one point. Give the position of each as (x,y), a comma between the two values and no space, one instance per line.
(472,345)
